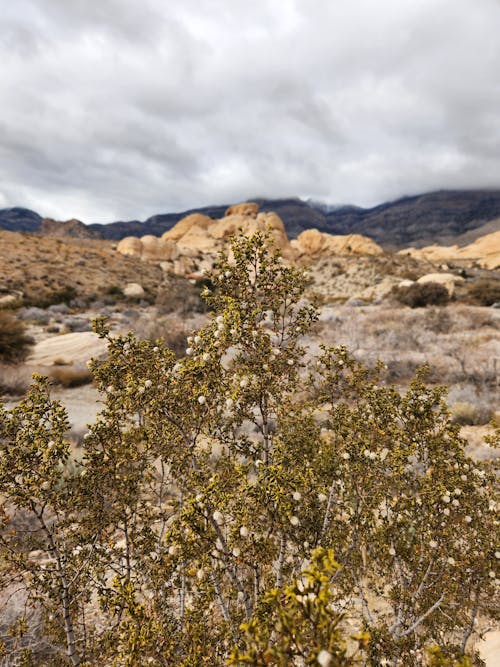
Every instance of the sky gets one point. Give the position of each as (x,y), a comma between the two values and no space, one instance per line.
(120,109)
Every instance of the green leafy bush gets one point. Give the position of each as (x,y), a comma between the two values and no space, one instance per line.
(215,491)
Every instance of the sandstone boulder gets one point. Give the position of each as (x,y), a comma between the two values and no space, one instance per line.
(247,209)
(448,280)
(134,290)
(185,224)
(314,243)
(156,249)
(484,251)
(130,245)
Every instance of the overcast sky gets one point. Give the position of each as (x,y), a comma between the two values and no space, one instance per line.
(118,109)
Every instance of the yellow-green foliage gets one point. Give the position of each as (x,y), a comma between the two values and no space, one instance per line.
(215,491)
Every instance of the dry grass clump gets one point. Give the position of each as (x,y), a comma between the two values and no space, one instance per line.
(181,296)
(484,292)
(14,342)
(14,380)
(67,376)
(171,330)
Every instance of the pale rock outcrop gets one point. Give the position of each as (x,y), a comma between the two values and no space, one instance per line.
(185,224)
(133,289)
(448,280)
(198,237)
(158,249)
(197,241)
(484,251)
(71,348)
(246,209)
(315,243)
(130,245)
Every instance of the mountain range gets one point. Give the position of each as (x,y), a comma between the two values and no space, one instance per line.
(444,217)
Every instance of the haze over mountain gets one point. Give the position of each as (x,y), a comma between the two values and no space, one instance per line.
(437,217)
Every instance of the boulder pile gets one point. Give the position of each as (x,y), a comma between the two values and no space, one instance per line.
(192,245)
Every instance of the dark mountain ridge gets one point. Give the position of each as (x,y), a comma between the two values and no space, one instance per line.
(435,217)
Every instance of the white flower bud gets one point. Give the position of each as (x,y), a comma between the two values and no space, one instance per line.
(244,531)
(450,560)
(294,520)
(322,498)
(229,403)
(202,400)
(433,544)
(189,351)
(346,456)
(392,551)
(296,495)
(468,519)
(446,498)
(148,384)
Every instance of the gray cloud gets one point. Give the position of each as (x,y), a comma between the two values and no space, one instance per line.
(121,109)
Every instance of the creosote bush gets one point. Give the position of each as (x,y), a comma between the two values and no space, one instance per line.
(247,503)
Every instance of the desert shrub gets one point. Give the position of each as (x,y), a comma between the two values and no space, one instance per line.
(67,376)
(420,295)
(48,298)
(14,380)
(468,414)
(114,290)
(171,333)
(14,342)
(484,292)
(181,296)
(215,491)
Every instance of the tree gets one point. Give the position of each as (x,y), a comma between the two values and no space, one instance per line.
(213,487)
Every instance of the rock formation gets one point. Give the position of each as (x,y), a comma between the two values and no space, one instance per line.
(484,251)
(193,243)
(315,244)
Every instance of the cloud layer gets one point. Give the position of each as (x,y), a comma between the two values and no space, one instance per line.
(119,109)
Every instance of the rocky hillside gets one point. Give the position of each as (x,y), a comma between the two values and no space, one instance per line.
(74,229)
(443,217)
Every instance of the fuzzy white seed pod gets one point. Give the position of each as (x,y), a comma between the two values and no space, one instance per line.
(324,658)
(322,498)
(148,384)
(296,495)
(189,351)
(218,517)
(244,531)
(294,520)
(202,400)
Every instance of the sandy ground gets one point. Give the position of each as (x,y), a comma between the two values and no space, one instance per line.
(489,649)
